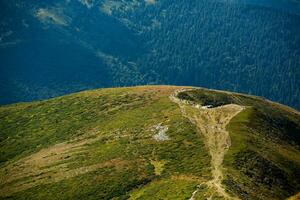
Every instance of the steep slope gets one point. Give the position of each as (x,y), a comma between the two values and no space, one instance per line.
(51,48)
(155,142)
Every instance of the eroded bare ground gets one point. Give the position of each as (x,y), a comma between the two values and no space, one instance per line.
(294,197)
(211,123)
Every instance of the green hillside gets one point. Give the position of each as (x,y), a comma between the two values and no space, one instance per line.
(55,47)
(152,142)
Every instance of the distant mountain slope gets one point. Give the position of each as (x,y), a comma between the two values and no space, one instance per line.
(50,48)
(154,142)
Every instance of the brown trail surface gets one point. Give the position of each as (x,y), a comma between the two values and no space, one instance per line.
(211,123)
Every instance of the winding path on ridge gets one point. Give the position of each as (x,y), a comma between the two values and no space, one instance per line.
(211,123)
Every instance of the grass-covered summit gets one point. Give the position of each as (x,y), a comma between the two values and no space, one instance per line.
(155,142)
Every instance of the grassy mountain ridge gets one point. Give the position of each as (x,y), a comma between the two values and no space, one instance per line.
(149,142)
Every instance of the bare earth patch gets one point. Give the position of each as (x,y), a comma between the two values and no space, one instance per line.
(161,132)
(295,197)
(211,123)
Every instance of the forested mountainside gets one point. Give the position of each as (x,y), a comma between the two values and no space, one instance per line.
(50,48)
(155,142)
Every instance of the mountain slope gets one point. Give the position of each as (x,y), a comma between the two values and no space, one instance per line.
(264,154)
(155,142)
(51,48)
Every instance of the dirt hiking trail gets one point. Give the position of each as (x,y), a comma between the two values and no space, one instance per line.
(211,123)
